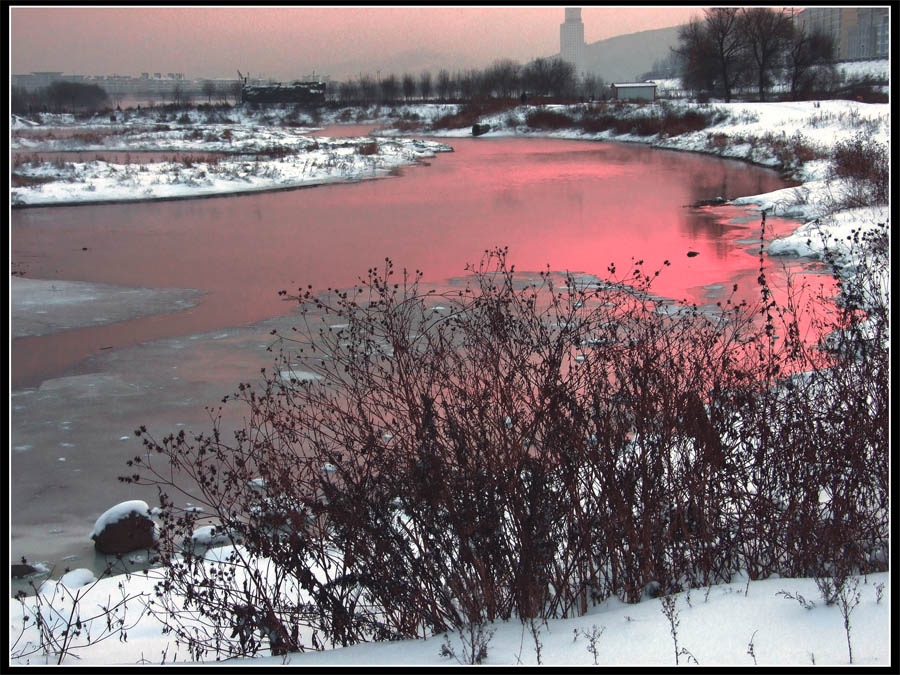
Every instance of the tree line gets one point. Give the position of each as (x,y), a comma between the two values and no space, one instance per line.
(505,79)
(59,96)
(730,48)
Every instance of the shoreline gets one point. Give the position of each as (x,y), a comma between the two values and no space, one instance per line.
(213,195)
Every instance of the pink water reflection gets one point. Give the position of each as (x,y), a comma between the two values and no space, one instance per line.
(570,204)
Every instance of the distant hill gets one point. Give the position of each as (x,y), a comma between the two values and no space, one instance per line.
(619,58)
(626,57)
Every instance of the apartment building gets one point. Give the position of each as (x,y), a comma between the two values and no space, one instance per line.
(859,32)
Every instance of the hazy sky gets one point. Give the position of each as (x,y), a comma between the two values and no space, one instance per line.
(287,42)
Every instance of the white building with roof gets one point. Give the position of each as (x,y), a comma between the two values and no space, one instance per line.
(634,91)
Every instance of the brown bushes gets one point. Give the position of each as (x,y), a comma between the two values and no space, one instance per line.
(470,114)
(519,449)
(543,118)
(865,164)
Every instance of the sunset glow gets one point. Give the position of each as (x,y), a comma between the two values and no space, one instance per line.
(286,42)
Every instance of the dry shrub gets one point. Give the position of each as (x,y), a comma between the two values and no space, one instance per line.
(23,180)
(790,151)
(865,164)
(717,141)
(543,118)
(419,462)
(405,126)
(595,122)
(470,114)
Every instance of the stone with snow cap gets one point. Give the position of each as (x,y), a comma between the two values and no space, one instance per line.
(74,579)
(125,527)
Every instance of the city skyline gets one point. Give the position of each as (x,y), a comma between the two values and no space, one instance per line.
(283,42)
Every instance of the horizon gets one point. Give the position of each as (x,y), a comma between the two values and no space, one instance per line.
(284,42)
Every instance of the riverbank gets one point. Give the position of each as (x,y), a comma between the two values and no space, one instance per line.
(251,159)
(268,149)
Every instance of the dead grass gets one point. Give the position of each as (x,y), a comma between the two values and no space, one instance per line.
(18,180)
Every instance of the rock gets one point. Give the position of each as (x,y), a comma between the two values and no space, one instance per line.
(208,535)
(718,201)
(22,570)
(652,589)
(75,579)
(123,528)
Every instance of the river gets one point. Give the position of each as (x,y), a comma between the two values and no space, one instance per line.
(575,205)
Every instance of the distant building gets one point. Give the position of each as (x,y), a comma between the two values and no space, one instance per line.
(859,33)
(571,40)
(40,79)
(634,91)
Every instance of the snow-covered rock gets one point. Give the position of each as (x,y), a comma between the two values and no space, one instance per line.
(208,535)
(125,527)
(75,579)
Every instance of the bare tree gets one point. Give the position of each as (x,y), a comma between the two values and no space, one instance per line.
(767,33)
(697,54)
(348,91)
(408,84)
(466,81)
(591,86)
(236,89)
(536,76)
(504,77)
(368,88)
(723,30)
(562,78)
(444,84)
(180,96)
(425,85)
(209,89)
(63,95)
(389,88)
(805,52)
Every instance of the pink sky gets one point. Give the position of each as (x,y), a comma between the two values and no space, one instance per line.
(284,42)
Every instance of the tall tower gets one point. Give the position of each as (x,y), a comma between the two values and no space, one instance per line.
(571,40)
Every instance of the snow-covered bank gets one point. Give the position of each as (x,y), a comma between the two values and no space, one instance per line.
(321,160)
(775,621)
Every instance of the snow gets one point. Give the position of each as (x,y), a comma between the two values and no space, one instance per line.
(120,512)
(74,579)
(807,240)
(209,535)
(716,626)
(254,159)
